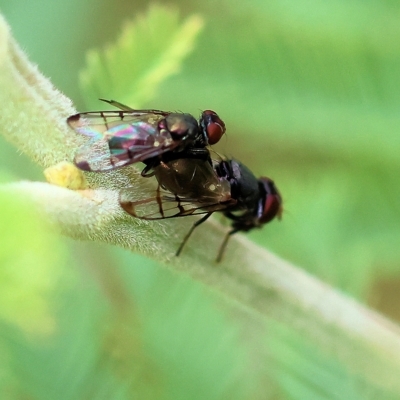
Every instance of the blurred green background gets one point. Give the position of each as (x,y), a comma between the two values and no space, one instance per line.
(310,94)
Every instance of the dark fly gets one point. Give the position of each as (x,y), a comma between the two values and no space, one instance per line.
(173,147)
(194,186)
(126,136)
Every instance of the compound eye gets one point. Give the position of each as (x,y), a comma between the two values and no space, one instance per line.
(271,205)
(213,125)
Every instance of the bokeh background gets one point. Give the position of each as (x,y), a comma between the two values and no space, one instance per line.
(310,93)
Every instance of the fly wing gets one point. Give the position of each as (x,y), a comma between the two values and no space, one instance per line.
(192,178)
(186,187)
(124,107)
(97,123)
(119,138)
(162,205)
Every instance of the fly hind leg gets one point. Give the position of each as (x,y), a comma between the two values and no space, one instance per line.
(194,226)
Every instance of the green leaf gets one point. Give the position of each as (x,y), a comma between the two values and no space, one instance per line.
(148,51)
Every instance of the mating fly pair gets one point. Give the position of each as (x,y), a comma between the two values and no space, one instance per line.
(173,146)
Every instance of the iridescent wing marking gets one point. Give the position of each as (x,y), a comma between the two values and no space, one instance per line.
(119,138)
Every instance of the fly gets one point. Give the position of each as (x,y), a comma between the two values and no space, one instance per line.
(126,136)
(194,186)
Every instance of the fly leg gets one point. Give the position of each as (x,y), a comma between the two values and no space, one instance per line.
(147,171)
(195,225)
(224,243)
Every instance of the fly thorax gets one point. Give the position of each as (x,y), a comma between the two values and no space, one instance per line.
(182,126)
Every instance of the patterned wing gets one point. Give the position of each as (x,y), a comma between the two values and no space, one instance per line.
(120,138)
(163,204)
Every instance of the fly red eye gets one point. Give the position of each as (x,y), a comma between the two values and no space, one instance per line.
(271,204)
(213,126)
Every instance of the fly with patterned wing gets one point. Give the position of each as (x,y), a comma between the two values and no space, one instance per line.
(174,148)
(123,137)
(191,187)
